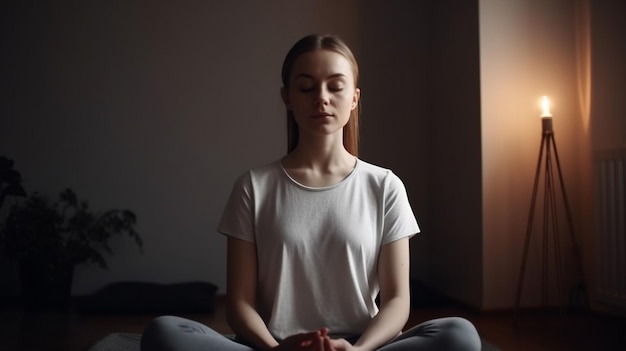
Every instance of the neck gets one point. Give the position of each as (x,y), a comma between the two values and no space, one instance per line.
(319,161)
(320,153)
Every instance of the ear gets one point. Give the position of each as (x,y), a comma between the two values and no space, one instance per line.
(285,96)
(355,98)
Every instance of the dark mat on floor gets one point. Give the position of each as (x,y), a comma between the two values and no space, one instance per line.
(117,342)
(130,342)
(145,297)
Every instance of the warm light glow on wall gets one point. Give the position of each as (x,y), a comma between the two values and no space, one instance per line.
(583,59)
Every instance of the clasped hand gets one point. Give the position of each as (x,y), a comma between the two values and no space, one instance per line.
(314,341)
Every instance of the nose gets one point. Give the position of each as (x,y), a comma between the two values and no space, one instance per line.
(323,96)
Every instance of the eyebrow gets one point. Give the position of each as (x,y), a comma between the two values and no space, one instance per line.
(334,75)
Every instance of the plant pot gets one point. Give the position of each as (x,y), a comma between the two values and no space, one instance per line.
(45,286)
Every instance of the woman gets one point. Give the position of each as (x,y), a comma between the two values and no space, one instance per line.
(314,237)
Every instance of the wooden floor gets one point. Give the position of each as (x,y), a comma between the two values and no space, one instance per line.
(534,331)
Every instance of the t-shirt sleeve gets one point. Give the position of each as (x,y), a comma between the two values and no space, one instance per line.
(238,216)
(399,220)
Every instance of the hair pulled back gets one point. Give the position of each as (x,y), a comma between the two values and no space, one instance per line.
(322,42)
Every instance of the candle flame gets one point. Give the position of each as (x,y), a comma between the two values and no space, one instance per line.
(545,107)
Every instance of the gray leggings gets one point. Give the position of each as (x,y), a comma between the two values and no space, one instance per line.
(170,333)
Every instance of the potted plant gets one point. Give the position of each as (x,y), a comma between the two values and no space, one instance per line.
(48,239)
(10,180)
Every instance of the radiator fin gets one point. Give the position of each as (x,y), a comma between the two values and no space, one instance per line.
(610,219)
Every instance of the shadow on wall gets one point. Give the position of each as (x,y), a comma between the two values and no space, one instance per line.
(424,297)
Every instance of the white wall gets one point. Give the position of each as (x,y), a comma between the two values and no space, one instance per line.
(528,49)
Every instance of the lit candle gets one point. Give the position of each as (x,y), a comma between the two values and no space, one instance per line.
(546,116)
(545,107)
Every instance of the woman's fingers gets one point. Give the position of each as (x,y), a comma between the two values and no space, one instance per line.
(328,345)
(301,342)
(312,341)
(339,345)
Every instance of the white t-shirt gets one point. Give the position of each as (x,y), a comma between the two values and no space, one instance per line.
(318,247)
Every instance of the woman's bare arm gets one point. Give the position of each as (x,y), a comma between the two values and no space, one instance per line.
(393,272)
(241,295)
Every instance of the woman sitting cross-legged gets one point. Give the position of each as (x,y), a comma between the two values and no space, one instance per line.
(314,237)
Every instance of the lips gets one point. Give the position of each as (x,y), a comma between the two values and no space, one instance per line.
(322,115)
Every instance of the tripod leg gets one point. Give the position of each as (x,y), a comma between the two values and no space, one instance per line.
(529,227)
(568,213)
(558,262)
(547,200)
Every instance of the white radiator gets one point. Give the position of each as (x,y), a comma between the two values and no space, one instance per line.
(610,219)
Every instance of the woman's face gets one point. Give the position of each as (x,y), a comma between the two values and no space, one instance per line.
(321,92)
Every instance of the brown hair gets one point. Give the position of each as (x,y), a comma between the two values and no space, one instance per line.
(326,42)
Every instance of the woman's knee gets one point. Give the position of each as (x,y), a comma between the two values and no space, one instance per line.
(460,333)
(166,330)
(161,325)
(154,332)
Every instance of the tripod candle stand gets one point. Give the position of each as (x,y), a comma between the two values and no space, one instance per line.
(550,221)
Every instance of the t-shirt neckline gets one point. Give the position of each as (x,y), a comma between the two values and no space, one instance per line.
(322,188)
